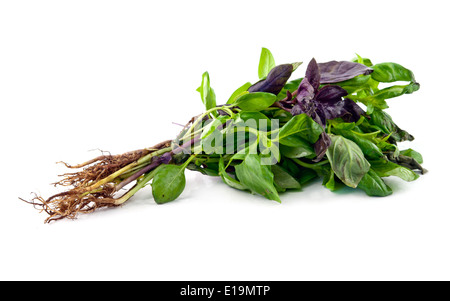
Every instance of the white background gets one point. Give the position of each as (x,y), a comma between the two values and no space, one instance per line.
(78,76)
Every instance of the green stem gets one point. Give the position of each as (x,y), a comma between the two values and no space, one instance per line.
(328,128)
(186,163)
(143,181)
(310,165)
(131,171)
(200,118)
(139,185)
(208,160)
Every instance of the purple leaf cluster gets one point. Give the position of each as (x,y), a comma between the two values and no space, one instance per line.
(326,102)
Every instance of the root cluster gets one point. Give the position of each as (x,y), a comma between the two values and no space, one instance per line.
(70,203)
(84,196)
(105,166)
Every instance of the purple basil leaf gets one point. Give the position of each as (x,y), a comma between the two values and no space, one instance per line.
(303,100)
(305,91)
(321,146)
(318,115)
(332,108)
(313,74)
(329,102)
(330,92)
(334,72)
(296,110)
(275,80)
(347,109)
(353,109)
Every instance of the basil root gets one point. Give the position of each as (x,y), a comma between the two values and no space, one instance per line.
(271,136)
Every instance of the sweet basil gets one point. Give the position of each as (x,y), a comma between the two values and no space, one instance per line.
(257,177)
(347,160)
(168,183)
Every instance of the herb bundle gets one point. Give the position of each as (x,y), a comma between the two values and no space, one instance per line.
(271,136)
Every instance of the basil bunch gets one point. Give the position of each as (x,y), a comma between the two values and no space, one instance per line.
(322,131)
(270,136)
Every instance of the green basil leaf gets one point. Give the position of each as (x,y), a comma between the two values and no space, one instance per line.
(362,60)
(266,63)
(367,92)
(301,174)
(254,120)
(387,168)
(373,185)
(298,149)
(207,93)
(347,160)
(371,102)
(255,101)
(329,180)
(283,179)
(383,121)
(227,179)
(239,92)
(371,136)
(293,140)
(168,183)
(391,72)
(257,177)
(340,125)
(303,126)
(369,148)
(412,154)
(395,91)
(387,147)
